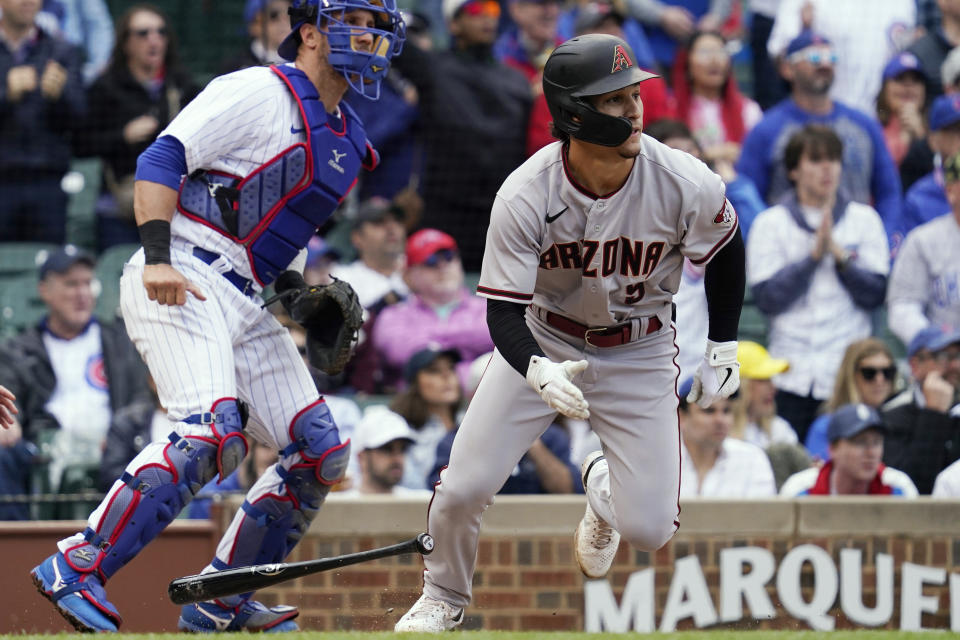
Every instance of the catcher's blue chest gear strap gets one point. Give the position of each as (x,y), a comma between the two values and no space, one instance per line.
(276,209)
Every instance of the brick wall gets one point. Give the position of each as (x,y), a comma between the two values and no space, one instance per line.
(527,578)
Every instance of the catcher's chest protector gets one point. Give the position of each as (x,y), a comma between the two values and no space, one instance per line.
(276,209)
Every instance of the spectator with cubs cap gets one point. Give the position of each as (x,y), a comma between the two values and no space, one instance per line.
(712,463)
(869,174)
(865,36)
(474,113)
(925,280)
(926,199)
(440,310)
(901,104)
(70,373)
(924,419)
(856,435)
(755,412)
(382,440)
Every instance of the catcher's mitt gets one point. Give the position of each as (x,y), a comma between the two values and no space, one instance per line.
(331,315)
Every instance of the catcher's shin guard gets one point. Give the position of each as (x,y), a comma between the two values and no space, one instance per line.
(152,494)
(273,523)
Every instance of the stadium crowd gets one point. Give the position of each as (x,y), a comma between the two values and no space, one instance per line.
(836,131)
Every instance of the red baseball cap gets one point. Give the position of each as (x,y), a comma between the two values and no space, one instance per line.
(426,242)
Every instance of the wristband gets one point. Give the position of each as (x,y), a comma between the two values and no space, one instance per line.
(155,237)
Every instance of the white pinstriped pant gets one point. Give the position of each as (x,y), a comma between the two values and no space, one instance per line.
(223,347)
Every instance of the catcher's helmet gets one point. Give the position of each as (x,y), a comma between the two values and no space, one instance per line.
(364,70)
(588,66)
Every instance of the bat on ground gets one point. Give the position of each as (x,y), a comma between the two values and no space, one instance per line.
(207,586)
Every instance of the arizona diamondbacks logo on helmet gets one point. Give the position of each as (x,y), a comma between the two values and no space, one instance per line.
(621,60)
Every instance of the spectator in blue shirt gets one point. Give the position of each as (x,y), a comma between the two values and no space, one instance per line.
(926,199)
(869,173)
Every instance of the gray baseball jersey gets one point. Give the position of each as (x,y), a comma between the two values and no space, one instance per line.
(599,261)
(603,260)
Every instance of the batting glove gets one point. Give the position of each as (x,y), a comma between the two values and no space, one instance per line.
(552,381)
(718,376)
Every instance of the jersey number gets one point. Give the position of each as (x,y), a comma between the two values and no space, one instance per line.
(634,293)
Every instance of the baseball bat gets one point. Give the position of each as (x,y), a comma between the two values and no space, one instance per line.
(207,586)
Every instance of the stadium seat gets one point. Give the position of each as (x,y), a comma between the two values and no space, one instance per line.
(21,258)
(20,304)
(108,270)
(78,478)
(40,476)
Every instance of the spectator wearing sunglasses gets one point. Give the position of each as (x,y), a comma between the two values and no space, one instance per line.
(856,433)
(140,92)
(473,115)
(866,375)
(924,419)
(869,173)
(440,311)
(267,25)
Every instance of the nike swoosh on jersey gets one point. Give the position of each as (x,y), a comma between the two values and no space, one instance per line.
(295,131)
(550,218)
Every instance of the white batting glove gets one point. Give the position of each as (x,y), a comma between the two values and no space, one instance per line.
(718,376)
(552,381)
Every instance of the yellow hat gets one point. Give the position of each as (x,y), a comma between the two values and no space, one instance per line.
(756,363)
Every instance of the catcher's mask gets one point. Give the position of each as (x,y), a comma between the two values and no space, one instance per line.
(586,66)
(363,69)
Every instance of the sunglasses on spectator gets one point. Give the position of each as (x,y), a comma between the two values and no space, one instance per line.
(143,33)
(443,255)
(815,56)
(489,8)
(870,373)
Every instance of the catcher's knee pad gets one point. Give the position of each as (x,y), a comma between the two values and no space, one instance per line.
(275,523)
(154,494)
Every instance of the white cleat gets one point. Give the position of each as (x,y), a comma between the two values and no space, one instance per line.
(430,616)
(595,542)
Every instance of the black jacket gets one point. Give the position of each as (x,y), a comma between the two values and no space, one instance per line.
(474,112)
(920,442)
(115,99)
(35,132)
(25,369)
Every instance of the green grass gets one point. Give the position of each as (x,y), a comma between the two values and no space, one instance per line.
(513,635)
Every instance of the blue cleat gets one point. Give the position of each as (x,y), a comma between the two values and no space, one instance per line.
(208,617)
(79,597)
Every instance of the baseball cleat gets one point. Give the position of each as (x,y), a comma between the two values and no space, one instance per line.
(430,616)
(595,542)
(79,597)
(209,617)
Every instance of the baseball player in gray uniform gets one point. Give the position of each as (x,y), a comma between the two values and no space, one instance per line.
(584,253)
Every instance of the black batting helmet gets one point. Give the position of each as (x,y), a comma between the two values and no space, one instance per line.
(585,66)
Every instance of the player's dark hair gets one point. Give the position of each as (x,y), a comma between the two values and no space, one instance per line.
(171,60)
(817,141)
